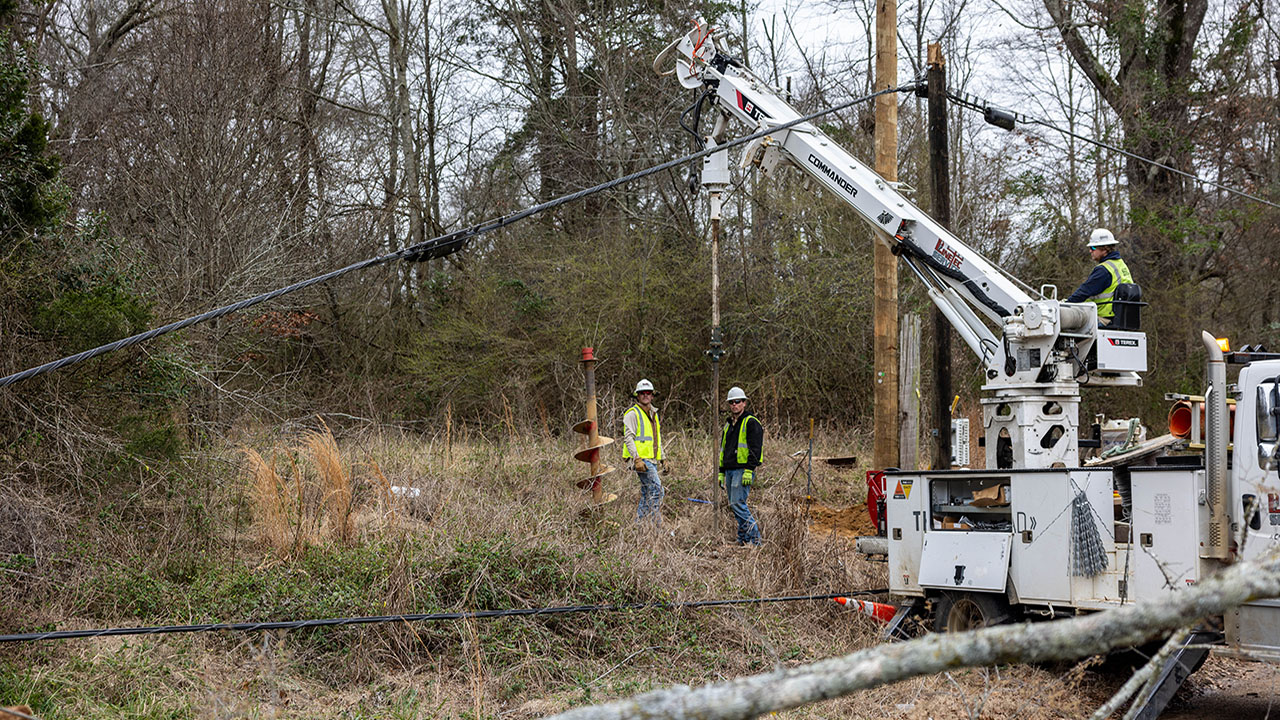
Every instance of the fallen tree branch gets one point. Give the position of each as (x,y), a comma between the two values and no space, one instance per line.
(751,696)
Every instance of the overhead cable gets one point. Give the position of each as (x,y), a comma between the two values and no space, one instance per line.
(436,247)
(406,618)
(979,105)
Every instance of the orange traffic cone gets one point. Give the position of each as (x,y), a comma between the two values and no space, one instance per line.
(880,611)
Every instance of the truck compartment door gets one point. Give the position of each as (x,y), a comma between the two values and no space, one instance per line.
(1042,528)
(965,560)
(1168,524)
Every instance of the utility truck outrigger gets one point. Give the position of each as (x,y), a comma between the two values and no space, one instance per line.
(1035,532)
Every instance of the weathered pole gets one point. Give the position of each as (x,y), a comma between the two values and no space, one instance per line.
(885,299)
(715,178)
(909,395)
(715,351)
(939,171)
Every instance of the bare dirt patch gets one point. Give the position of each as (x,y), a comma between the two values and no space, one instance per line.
(849,522)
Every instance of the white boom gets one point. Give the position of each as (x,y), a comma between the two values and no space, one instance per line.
(1038,355)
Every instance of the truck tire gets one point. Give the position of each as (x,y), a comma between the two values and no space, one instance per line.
(958,611)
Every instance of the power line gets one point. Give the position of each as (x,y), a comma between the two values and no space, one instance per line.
(450,243)
(977,104)
(430,617)
(440,246)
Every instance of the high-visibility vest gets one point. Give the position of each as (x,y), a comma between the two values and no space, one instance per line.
(743,451)
(1119,273)
(648,435)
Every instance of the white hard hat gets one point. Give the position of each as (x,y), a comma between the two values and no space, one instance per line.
(736,393)
(643,385)
(1101,237)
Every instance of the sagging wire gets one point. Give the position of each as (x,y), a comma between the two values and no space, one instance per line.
(988,346)
(419,617)
(1008,119)
(1010,362)
(436,247)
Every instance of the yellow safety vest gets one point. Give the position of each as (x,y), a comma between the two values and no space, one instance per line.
(648,435)
(743,450)
(1119,273)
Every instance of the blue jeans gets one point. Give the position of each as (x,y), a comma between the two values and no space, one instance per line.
(748,530)
(650,493)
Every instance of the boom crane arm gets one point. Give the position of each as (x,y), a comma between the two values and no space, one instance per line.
(959,280)
(1035,351)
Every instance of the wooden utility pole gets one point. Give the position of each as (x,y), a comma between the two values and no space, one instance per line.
(909,394)
(939,171)
(885,300)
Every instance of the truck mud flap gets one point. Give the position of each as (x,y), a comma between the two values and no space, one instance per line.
(1174,672)
(899,628)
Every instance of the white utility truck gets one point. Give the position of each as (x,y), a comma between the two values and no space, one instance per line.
(1034,533)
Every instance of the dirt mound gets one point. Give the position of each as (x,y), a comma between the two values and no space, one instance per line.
(849,522)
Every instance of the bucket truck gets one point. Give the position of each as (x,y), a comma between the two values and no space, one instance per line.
(1035,532)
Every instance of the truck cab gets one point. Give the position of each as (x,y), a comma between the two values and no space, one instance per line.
(1253,629)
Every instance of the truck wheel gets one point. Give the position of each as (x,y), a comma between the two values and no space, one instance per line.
(961,611)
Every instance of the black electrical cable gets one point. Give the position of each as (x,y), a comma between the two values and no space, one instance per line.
(210,315)
(969,283)
(435,247)
(696,110)
(371,620)
(980,105)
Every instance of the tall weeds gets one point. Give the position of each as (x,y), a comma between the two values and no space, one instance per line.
(334,480)
(266,492)
(313,501)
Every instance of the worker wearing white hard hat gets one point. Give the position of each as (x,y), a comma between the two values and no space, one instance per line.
(1109,273)
(741,452)
(642,445)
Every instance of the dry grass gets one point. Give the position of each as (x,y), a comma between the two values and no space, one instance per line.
(317,490)
(334,481)
(314,501)
(267,491)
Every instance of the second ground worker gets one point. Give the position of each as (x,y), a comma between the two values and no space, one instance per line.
(642,445)
(741,452)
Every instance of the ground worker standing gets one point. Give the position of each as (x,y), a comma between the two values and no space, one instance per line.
(643,446)
(741,452)
(1110,271)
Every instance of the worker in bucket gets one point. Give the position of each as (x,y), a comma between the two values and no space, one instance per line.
(741,451)
(643,446)
(1109,272)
